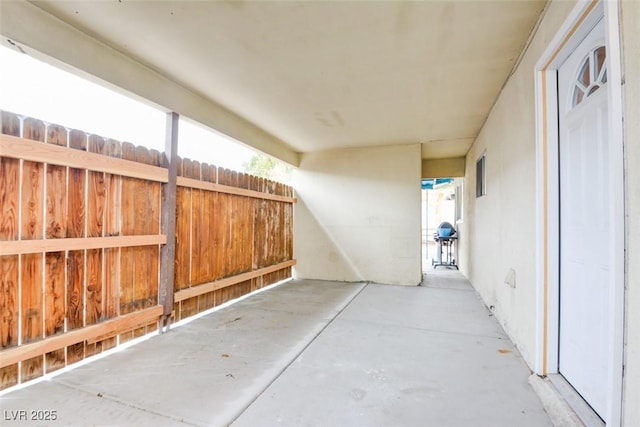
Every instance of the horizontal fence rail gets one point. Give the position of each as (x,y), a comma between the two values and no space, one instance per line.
(80,242)
(25,149)
(195,184)
(90,334)
(19,247)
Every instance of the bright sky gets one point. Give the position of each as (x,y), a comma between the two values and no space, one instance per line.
(33,88)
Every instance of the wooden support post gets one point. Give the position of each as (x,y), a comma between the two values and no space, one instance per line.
(168,251)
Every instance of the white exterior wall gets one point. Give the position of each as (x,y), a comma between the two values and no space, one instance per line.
(358,215)
(498,232)
(631,94)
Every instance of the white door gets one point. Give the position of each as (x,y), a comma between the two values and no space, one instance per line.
(584,220)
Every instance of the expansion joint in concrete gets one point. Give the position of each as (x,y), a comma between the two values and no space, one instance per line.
(298,354)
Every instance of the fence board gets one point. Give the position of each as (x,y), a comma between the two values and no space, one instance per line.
(279,255)
(54,306)
(76,229)
(112,228)
(209,173)
(206,259)
(32,205)
(34,129)
(222,225)
(75,290)
(234,228)
(249,232)
(183,232)
(76,190)
(9,376)
(227,230)
(9,313)
(10,123)
(196,227)
(288,212)
(219,230)
(244,241)
(31,309)
(96,192)
(255,185)
(208,244)
(191,169)
(9,181)
(94,287)
(113,183)
(55,360)
(9,301)
(155,206)
(259,238)
(202,213)
(9,304)
(141,220)
(127,260)
(96,196)
(127,255)
(57,135)
(56,228)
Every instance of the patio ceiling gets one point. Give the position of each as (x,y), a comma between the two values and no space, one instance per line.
(322,75)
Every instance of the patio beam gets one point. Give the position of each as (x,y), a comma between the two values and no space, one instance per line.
(168,251)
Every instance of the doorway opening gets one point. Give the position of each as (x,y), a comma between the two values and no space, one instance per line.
(441,202)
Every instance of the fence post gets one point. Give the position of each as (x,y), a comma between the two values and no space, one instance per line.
(168,251)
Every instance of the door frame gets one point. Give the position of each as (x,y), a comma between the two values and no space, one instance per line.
(578,24)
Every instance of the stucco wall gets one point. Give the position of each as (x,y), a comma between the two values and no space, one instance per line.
(443,168)
(631,94)
(498,232)
(358,215)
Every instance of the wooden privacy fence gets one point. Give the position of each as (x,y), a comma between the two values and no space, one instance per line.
(233,236)
(80,242)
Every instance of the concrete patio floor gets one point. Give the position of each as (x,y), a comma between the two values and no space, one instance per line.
(308,353)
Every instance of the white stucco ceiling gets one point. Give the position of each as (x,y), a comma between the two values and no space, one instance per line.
(320,75)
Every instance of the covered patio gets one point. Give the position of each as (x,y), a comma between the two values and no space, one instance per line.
(103,242)
(309,352)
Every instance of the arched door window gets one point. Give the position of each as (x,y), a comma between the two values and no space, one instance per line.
(591,76)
